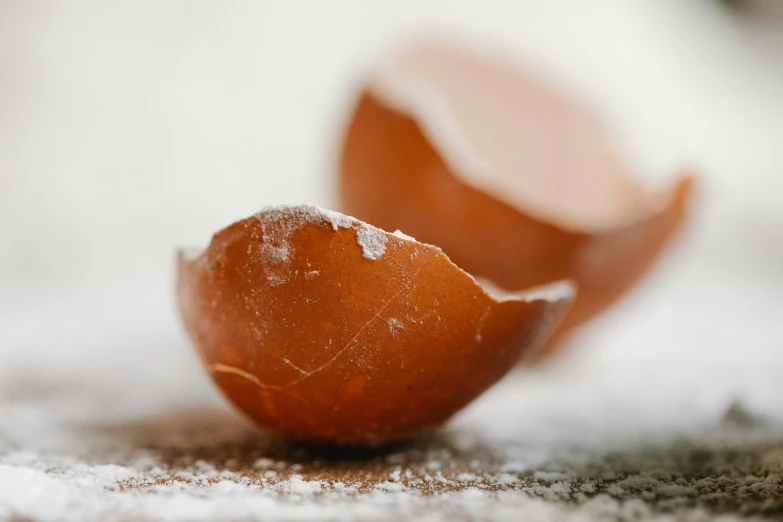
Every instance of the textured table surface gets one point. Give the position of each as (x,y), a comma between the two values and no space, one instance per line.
(105,414)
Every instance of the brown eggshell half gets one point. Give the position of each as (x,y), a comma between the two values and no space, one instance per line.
(514,182)
(324,329)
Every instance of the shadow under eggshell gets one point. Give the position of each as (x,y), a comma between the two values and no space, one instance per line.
(393,175)
(324,329)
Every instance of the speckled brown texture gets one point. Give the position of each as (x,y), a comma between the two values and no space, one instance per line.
(392,176)
(123,426)
(318,343)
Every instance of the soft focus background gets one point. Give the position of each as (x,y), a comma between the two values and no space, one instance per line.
(128,129)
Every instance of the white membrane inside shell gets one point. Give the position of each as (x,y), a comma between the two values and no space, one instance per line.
(513,138)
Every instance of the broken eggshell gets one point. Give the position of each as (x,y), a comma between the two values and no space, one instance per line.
(515,182)
(325,329)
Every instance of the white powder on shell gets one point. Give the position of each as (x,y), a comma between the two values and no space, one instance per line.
(336,219)
(277,225)
(394,324)
(372,240)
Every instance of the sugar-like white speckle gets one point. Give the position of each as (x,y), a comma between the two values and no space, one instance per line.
(372,240)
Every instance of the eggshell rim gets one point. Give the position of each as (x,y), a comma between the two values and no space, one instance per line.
(553,292)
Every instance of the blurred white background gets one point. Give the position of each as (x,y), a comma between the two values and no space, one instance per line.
(130,128)
(127,128)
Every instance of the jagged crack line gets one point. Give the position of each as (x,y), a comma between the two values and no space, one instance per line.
(355,337)
(223,368)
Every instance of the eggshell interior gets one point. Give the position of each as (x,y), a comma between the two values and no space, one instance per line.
(516,183)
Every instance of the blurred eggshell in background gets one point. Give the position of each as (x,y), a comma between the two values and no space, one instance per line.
(324,329)
(514,181)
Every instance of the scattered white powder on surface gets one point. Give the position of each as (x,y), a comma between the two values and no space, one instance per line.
(394,324)
(297,485)
(467,477)
(335,218)
(390,486)
(550,476)
(372,240)
(84,439)
(507,478)
(303,214)
(277,225)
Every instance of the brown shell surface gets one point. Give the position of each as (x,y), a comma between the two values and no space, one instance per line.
(316,342)
(392,176)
